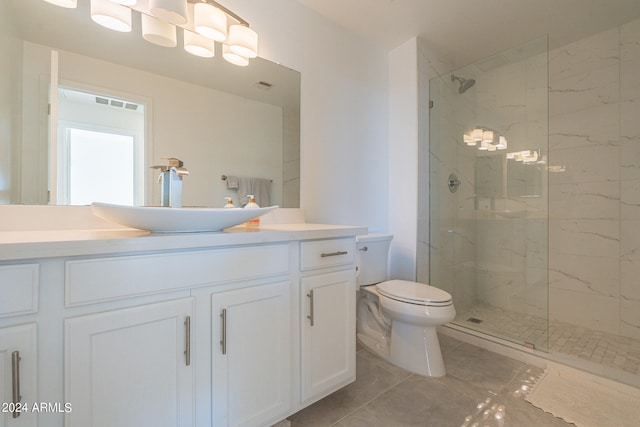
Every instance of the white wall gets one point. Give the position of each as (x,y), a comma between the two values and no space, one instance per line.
(403,159)
(344,169)
(411,65)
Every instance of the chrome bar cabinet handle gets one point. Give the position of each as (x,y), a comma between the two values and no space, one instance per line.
(187,340)
(223,341)
(15,383)
(337,253)
(310,316)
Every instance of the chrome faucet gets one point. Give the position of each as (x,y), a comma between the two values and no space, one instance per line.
(170,180)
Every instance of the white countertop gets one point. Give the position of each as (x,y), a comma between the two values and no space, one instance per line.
(22,245)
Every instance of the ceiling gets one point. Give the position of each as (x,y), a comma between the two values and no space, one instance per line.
(467,30)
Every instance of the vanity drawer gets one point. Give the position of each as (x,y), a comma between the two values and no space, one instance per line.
(326,253)
(103,279)
(19,289)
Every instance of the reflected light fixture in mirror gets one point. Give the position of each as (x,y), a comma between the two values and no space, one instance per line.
(160,17)
(485,139)
(111,15)
(69,4)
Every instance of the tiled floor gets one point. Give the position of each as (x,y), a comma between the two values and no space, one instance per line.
(606,354)
(478,385)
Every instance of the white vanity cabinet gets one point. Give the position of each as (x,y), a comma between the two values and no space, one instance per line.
(240,328)
(327,302)
(130,367)
(251,361)
(19,286)
(18,379)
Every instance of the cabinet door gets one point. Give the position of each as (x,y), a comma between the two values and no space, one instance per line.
(130,367)
(328,308)
(251,355)
(18,376)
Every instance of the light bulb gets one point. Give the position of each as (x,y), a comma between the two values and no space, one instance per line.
(243,41)
(172,11)
(158,32)
(233,57)
(198,45)
(210,22)
(111,15)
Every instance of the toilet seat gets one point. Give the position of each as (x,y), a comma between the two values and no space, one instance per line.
(414,293)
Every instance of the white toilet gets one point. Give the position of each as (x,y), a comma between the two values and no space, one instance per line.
(397,319)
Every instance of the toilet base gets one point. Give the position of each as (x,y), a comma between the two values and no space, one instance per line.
(416,349)
(412,347)
(376,347)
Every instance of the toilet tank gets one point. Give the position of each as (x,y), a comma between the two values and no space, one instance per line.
(372,258)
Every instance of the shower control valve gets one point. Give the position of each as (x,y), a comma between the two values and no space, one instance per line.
(453,183)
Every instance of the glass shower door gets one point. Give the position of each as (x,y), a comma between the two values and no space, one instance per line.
(488,206)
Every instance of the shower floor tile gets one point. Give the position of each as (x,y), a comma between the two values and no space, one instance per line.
(610,355)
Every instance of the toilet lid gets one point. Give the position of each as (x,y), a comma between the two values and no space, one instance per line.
(414,293)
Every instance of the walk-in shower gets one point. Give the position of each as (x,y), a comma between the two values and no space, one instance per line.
(488,239)
(538,245)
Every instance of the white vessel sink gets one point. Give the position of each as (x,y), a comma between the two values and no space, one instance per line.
(176,220)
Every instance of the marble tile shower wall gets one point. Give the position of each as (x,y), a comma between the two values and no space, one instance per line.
(594,204)
(511,238)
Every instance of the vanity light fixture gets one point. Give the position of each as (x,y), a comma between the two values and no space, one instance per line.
(243,41)
(199,20)
(233,57)
(198,45)
(171,11)
(111,15)
(69,4)
(158,32)
(210,21)
(485,139)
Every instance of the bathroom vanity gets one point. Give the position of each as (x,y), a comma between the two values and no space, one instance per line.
(124,328)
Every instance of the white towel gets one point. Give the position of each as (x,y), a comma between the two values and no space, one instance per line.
(232,182)
(244,188)
(259,187)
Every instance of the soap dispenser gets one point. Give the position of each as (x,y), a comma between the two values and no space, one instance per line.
(252,205)
(229,203)
(252,202)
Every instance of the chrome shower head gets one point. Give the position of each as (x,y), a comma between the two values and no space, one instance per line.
(465,84)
